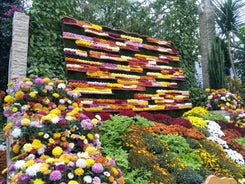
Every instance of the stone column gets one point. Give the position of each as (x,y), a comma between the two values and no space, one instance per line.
(19,47)
(207,31)
(18,55)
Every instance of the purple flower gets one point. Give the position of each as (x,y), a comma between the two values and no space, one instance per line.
(55,175)
(112,162)
(96,180)
(39,81)
(80,143)
(24,178)
(49,88)
(83,116)
(97,168)
(18,123)
(11,167)
(61,167)
(87,124)
(119,172)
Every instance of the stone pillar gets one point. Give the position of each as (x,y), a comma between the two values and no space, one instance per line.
(18,55)
(19,47)
(207,31)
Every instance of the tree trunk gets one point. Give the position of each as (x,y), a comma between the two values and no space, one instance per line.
(207,31)
(230,54)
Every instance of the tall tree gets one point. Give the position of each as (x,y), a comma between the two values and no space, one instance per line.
(229,18)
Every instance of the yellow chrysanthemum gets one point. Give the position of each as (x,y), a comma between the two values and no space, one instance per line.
(16,148)
(28,163)
(57,151)
(36,144)
(8,126)
(40,133)
(8,99)
(25,122)
(45,169)
(19,95)
(55,111)
(89,162)
(51,141)
(79,171)
(114,171)
(56,95)
(73,182)
(32,94)
(15,109)
(90,136)
(65,157)
(111,179)
(95,121)
(82,137)
(56,135)
(91,151)
(25,79)
(38,181)
(46,80)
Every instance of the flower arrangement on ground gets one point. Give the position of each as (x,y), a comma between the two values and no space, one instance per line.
(53,141)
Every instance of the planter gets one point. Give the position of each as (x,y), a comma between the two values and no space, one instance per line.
(3,166)
(221,112)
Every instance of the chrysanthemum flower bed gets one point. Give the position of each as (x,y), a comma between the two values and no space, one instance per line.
(52,140)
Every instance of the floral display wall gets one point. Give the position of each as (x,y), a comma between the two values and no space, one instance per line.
(115,70)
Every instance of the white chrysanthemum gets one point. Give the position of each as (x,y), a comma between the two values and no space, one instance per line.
(71,145)
(31,157)
(234,155)
(19,164)
(81,163)
(46,136)
(221,142)
(61,86)
(55,120)
(96,136)
(85,141)
(61,101)
(87,179)
(33,169)
(107,174)
(83,155)
(41,150)
(27,147)
(70,175)
(214,129)
(16,132)
(222,98)
(98,117)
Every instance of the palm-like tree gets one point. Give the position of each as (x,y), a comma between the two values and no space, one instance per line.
(229,16)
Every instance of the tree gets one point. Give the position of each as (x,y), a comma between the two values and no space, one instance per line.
(229,18)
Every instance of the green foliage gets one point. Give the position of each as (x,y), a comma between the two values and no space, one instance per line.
(180,26)
(113,129)
(137,176)
(112,132)
(138,120)
(216,65)
(45,53)
(181,149)
(214,117)
(189,176)
(198,97)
